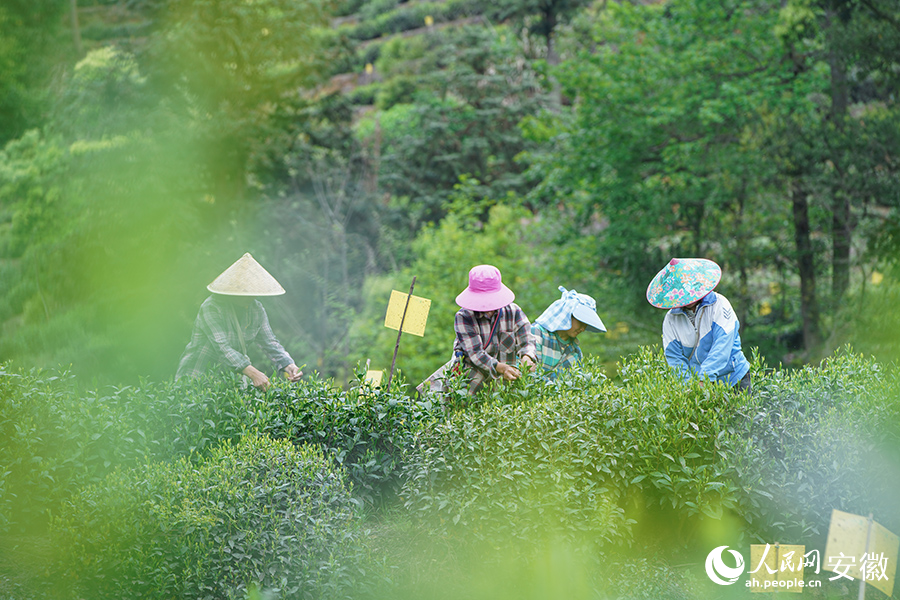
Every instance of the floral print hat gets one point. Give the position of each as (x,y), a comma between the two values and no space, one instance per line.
(683,281)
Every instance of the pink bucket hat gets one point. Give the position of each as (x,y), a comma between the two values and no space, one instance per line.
(682,281)
(486,291)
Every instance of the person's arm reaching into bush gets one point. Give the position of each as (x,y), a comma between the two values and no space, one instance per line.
(674,349)
(469,338)
(524,340)
(724,331)
(274,350)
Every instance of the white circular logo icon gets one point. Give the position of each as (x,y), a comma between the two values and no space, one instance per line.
(721,573)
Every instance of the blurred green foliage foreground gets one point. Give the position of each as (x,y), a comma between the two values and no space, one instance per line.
(590,487)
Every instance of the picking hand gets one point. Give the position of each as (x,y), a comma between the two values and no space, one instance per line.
(508,372)
(257,377)
(293,373)
(527,362)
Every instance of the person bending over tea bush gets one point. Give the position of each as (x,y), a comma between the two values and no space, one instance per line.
(556,331)
(700,331)
(493,335)
(232,318)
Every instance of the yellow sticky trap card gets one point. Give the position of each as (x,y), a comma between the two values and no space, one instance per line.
(848,554)
(416,313)
(373,378)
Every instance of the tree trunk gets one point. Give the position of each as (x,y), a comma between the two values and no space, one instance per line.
(740,255)
(76,29)
(840,246)
(552,59)
(840,201)
(806,267)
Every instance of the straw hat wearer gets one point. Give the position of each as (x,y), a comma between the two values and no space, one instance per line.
(486,291)
(683,281)
(245,277)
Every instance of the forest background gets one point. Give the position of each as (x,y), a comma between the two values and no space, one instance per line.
(354,145)
(349,146)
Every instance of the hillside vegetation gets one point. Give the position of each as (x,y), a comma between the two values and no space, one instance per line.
(350,148)
(145,145)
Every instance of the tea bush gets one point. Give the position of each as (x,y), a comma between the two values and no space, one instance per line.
(585,459)
(820,438)
(590,458)
(59,438)
(672,433)
(364,429)
(256,513)
(573,455)
(407,17)
(516,470)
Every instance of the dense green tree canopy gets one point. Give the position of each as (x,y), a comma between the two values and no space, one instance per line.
(30,43)
(761,134)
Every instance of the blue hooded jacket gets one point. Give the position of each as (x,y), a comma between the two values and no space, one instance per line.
(711,346)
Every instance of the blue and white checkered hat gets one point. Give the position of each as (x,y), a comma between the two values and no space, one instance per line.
(558,316)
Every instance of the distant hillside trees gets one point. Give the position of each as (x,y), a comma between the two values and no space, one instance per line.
(741,131)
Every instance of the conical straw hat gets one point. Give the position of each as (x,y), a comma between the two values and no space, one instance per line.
(245,277)
(683,281)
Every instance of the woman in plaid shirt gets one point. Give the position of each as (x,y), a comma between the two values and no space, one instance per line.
(556,330)
(492,332)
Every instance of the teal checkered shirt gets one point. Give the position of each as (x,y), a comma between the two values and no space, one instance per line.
(553,353)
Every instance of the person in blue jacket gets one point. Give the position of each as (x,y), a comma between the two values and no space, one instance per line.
(701,333)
